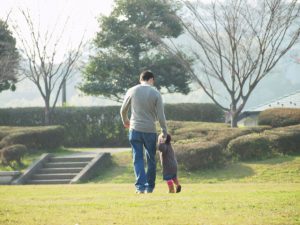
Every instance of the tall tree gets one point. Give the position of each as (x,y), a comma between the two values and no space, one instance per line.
(9,58)
(123,50)
(44,65)
(236,43)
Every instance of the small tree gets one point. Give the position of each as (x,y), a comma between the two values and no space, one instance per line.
(43,64)
(235,43)
(9,58)
(123,50)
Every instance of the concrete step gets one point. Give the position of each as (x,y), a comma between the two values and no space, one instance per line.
(65,164)
(57,181)
(70,159)
(64,169)
(57,176)
(59,170)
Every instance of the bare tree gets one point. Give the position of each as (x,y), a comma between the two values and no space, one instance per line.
(43,65)
(235,44)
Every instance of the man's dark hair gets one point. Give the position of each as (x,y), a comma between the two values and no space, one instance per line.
(146,75)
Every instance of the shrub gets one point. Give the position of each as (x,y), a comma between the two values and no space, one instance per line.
(194,112)
(100,126)
(12,153)
(199,155)
(285,140)
(279,117)
(36,137)
(249,147)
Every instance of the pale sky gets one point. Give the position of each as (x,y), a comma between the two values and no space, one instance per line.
(83,16)
(82,20)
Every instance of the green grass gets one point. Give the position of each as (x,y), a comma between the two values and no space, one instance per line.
(92,204)
(282,169)
(260,192)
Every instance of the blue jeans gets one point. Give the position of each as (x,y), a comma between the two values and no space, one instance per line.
(139,140)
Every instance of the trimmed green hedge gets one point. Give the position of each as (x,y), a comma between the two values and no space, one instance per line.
(285,140)
(279,117)
(100,126)
(205,112)
(35,138)
(199,155)
(249,147)
(12,153)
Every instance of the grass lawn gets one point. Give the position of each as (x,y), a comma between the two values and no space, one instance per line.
(230,203)
(261,192)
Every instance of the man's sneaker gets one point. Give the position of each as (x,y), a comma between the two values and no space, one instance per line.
(149,191)
(178,189)
(139,192)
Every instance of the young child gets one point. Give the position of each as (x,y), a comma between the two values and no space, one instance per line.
(169,163)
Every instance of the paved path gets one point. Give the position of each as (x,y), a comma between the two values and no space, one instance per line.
(92,151)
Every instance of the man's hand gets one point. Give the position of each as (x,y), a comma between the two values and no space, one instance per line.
(127,124)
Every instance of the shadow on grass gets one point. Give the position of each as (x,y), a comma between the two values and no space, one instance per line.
(230,172)
(120,171)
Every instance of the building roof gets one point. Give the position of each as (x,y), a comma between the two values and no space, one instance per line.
(288,101)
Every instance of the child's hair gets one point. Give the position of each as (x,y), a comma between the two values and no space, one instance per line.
(168,139)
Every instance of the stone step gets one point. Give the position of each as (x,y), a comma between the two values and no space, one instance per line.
(57,181)
(65,164)
(59,170)
(70,159)
(57,176)
(63,169)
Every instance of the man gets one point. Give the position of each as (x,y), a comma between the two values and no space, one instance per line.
(146,106)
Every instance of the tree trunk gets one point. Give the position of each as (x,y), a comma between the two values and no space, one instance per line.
(234,119)
(233,114)
(47,114)
(64,94)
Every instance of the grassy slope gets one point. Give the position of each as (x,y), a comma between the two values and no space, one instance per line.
(282,169)
(117,204)
(261,192)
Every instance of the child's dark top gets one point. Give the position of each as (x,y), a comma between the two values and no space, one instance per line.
(167,158)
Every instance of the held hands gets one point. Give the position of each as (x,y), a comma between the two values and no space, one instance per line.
(127,124)
(162,138)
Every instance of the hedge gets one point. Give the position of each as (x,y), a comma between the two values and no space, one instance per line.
(12,153)
(35,138)
(285,140)
(100,126)
(199,155)
(279,117)
(205,112)
(250,147)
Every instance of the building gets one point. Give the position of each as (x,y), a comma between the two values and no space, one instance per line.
(250,117)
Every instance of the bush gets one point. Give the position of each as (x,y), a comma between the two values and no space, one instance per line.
(194,112)
(100,126)
(250,147)
(199,155)
(285,140)
(36,137)
(12,153)
(279,117)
